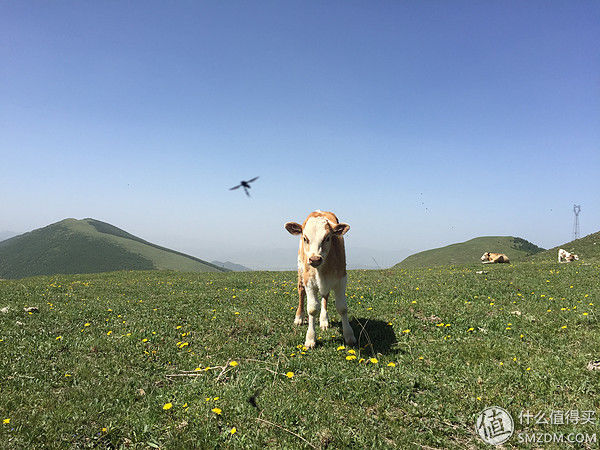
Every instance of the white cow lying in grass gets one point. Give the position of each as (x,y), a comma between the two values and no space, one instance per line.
(321,268)
(568,257)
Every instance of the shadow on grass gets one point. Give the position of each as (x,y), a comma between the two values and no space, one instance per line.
(375,336)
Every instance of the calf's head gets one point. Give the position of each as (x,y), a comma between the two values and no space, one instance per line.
(486,256)
(317,236)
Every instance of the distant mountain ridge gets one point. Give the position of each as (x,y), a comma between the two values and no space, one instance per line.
(232,266)
(470,251)
(89,246)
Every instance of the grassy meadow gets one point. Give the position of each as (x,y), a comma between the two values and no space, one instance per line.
(212,360)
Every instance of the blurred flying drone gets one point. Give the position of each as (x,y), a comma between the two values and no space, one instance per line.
(245,185)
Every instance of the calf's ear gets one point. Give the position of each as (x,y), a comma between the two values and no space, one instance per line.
(341,229)
(293,228)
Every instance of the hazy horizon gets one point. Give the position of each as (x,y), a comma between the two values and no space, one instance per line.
(257,258)
(421,124)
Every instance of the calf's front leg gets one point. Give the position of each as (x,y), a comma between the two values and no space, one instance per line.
(312,306)
(342,309)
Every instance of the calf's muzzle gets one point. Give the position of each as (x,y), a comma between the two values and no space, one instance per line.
(315,261)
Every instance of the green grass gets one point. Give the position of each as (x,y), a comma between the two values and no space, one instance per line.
(474,340)
(470,252)
(87,246)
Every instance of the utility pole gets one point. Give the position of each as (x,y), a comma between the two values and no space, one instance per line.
(576,211)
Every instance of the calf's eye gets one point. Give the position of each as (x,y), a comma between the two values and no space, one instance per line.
(305,239)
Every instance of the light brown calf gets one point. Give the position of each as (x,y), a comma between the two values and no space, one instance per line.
(321,268)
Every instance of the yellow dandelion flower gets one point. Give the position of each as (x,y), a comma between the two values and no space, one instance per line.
(563,327)
(406,331)
(104,429)
(87,324)
(217,411)
(374,360)
(144,340)
(185,405)
(350,357)
(7,421)
(58,338)
(233,363)
(352,352)
(341,347)
(109,332)
(391,364)
(167,406)
(233,430)
(289,374)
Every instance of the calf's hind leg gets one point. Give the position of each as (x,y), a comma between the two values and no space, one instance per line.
(324,318)
(299,320)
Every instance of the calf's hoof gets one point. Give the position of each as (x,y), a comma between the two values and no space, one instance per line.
(324,324)
(310,344)
(350,339)
(299,320)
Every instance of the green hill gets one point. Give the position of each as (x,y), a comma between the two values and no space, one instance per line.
(587,248)
(88,246)
(470,252)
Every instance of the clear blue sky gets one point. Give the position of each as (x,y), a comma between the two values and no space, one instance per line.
(419,123)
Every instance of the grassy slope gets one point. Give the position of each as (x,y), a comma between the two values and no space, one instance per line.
(587,248)
(470,251)
(519,337)
(86,246)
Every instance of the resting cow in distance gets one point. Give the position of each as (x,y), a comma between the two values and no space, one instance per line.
(493,258)
(566,256)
